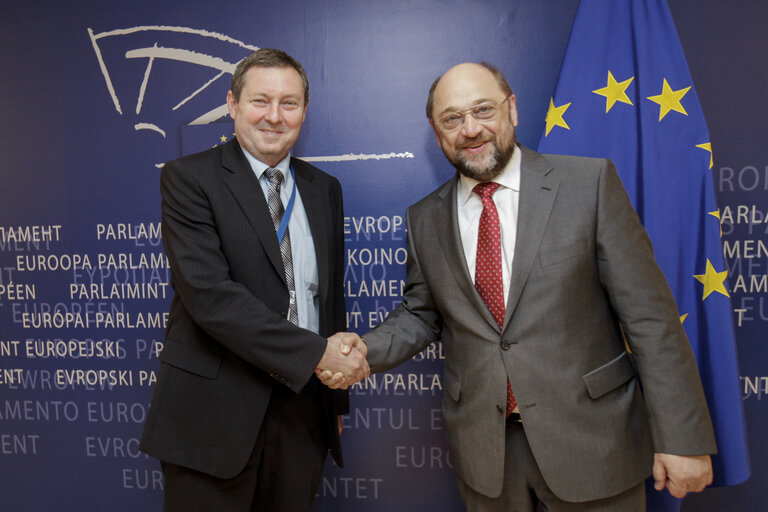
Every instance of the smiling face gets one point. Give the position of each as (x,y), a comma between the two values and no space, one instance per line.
(478,149)
(269,112)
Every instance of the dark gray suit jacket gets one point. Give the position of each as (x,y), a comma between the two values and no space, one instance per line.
(228,342)
(583,270)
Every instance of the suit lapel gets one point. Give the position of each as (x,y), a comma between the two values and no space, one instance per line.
(244,185)
(446,221)
(537,195)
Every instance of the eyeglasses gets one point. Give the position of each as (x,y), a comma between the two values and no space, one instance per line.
(451,121)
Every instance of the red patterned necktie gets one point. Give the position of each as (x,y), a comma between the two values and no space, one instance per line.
(488,275)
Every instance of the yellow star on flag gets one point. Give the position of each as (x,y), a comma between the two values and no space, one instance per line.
(707,146)
(716,214)
(669,100)
(682,318)
(713,281)
(223,138)
(555,116)
(614,91)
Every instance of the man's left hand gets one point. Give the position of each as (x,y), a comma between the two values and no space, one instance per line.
(681,474)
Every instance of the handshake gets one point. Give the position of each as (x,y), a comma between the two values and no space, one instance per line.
(344,362)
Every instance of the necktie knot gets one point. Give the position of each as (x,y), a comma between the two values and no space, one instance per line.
(275,177)
(486,189)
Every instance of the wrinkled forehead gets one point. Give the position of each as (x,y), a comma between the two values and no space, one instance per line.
(463,86)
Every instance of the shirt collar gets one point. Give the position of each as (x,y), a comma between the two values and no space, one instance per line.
(509,178)
(259,167)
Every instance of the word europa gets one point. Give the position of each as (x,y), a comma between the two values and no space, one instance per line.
(432,457)
(128,231)
(51,262)
(357,228)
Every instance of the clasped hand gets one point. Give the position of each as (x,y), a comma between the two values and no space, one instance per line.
(681,474)
(344,362)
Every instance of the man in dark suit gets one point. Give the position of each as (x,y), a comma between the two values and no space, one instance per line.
(255,241)
(531,266)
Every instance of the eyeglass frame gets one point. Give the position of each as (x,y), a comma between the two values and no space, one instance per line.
(470,110)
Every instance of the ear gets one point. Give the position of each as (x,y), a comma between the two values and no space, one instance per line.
(513,110)
(231,104)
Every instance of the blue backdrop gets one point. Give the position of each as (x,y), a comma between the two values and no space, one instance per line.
(95,96)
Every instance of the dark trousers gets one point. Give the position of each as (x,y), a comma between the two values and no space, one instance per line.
(282,474)
(526,491)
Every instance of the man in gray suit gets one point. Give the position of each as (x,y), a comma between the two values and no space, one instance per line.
(534,268)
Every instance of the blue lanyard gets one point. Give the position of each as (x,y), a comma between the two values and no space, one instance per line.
(288,210)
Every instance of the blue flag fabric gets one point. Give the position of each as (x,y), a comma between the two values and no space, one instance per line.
(625,93)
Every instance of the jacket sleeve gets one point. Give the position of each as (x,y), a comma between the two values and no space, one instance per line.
(640,295)
(410,327)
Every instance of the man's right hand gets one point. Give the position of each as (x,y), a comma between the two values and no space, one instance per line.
(343,363)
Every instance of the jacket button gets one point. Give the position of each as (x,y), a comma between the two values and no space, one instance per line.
(505,345)
(499,408)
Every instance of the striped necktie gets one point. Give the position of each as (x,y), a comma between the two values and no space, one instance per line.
(276,210)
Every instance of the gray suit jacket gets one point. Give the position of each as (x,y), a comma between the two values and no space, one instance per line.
(583,270)
(228,342)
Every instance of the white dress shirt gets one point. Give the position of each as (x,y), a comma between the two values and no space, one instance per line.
(305,276)
(507,200)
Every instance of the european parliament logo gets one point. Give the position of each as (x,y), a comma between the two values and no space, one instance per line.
(155,71)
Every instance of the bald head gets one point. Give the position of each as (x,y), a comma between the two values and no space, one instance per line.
(462,77)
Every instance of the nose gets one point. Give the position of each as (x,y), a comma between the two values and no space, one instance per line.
(470,128)
(273,113)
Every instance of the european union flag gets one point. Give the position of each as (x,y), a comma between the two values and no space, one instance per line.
(625,93)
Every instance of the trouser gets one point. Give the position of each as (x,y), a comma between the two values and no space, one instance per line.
(525,489)
(282,473)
